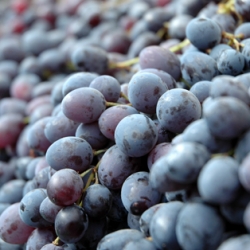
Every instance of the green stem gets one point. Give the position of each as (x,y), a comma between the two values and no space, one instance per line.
(180,46)
(56,241)
(99,152)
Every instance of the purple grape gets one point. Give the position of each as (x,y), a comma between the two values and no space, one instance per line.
(65,187)
(71,223)
(84,105)
(10,105)
(42,178)
(236,243)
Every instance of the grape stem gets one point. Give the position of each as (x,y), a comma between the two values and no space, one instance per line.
(232,39)
(110,104)
(56,241)
(97,152)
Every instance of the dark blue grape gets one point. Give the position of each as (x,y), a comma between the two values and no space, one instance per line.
(108,86)
(138,194)
(139,140)
(228,86)
(29,208)
(242,8)
(226,22)
(201,90)
(83,105)
(97,201)
(203,33)
(70,152)
(92,134)
(12,191)
(197,66)
(216,50)
(198,131)
(199,226)
(218,181)
(49,210)
(242,147)
(71,223)
(90,58)
(243,30)
(223,125)
(230,62)
(163,224)
(118,239)
(78,80)
(133,221)
(60,126)
(177,108)
(144,91)
(140,244)
(236,243)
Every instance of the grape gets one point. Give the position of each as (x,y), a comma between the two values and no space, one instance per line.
(182,163)
(197,66)
(40,112)
(139,140)
(144,91)
(225,21)
(244,172)
(161,59)
(242,147)
(65,187)
(57,94)
(12,105)
(196,227)
(84,105)
(158,151)
(115,167)
(203,33)
(236,243)
(177,26)
(90,58)
(36,102)
(43,88)
(165,77)
(29,208)
(242,8)
(201,90)
(138,194)
(92,134)
(12,191)
(30,169)
(108,86)
(77,80)
(177,108)
(216,50)
(231,62)
(228,86)
(42,178)
(39,238)
(110,118)
(97,201)
(218,181)
(235,210)
(70,152)
(118,239)
(140,244)
(60,126)
(146,218)
(94,233)
(7,172)
(220,123)
(198,131)
(12,229)
(11,125)
(71,223)
(49,210)
(243,29)
(143,40)
(163,224)
(133,221)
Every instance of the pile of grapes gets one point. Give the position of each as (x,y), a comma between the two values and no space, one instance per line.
(125,125)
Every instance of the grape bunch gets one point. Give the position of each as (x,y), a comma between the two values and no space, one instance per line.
(125,125)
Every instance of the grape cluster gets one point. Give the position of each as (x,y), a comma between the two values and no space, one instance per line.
(125,125)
